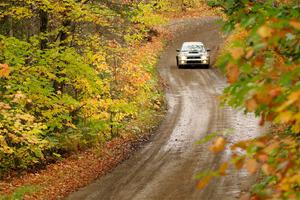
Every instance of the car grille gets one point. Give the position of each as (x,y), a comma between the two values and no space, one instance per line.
(193,57)
(193,62)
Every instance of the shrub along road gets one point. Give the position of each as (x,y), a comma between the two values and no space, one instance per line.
(166,167)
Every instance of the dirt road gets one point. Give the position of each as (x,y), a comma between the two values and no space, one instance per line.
(166,167)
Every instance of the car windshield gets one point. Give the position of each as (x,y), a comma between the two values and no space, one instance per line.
(192,47)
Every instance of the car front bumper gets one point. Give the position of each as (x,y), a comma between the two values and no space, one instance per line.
(193,62)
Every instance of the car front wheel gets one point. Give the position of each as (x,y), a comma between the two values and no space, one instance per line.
(178,65)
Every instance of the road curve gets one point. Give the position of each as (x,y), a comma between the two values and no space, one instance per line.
(165,168)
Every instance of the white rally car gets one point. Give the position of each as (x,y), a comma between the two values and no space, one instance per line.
(193,54)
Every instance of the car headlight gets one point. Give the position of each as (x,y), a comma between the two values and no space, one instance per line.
(204,57)
(181,57)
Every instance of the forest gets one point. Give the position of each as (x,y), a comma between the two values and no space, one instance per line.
(66,82)
(74,74)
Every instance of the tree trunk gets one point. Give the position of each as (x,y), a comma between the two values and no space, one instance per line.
(10,26)
(183,6)
(63,35)
(44,19)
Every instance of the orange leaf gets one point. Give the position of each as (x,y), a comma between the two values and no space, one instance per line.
(295,24)
(259,144)
(251,105)
(263,98)
(255,198)
(259,61)
(249,53)
(275,92)
(242,145)
(232,73)
(218,145)
(263,158)
(290,141)
(267,169)
(271,147)
(203,182)
(239,163)
(223,168)
(262,120)
(4,70)
(237,52)
(251,166)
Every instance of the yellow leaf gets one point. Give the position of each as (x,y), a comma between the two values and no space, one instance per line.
(285,184)
(296,127)
(6,150)
(292,98)
(285,117)
(295,178)
(265,31)
(71,125)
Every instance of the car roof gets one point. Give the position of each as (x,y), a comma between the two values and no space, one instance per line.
(192,43)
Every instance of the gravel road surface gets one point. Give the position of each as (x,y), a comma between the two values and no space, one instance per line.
(165,168)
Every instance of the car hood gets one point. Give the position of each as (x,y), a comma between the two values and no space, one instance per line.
(193,53)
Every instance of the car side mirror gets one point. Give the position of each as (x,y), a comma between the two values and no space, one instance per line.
(178,50)
(207,49)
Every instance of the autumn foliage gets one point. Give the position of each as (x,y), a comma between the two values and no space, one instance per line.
(262,63)
(71,77)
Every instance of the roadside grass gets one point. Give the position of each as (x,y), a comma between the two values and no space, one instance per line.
(20,193)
